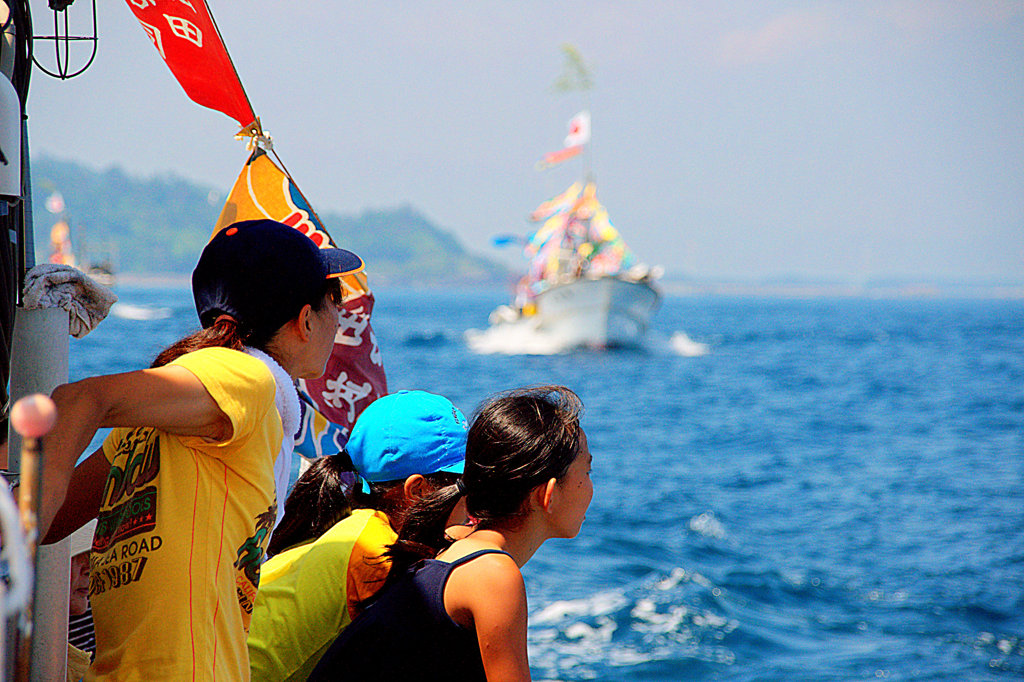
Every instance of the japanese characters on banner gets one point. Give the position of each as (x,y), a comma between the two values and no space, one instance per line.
(184,34)
(354,378)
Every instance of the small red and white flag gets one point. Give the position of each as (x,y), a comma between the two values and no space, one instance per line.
(579,135)
(579,130)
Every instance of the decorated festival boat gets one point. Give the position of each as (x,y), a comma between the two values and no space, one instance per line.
(583,287)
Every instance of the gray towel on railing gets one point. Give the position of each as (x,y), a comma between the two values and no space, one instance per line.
(49,285)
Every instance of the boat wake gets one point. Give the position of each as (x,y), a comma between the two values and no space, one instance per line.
(129,311)
(513,340)
(523,339)
(683,345)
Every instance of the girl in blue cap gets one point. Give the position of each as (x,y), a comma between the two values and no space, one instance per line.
(456,610)
(328,559)
(183,486)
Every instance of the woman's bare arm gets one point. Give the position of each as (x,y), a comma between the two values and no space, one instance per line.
(169,398)
(489,596)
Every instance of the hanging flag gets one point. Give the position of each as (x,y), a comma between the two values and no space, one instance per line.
(184,34)
(355,371)
(579,130)
(579,135)
(554,158)
(262,190)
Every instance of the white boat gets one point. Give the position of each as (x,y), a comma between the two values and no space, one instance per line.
(602,312)
(584,287)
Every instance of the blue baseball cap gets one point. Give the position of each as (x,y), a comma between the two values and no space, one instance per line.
(406,433)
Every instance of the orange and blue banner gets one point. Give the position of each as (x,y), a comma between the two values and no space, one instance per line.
(355,371)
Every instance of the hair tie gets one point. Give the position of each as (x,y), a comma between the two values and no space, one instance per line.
(461,485)
(225,318)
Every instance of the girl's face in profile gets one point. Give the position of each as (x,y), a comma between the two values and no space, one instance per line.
(576,490)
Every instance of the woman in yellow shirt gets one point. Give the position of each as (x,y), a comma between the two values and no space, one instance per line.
(183,486)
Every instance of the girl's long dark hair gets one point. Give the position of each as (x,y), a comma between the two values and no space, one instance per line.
(328,491)
(318,500)
(518,440)
(223,334)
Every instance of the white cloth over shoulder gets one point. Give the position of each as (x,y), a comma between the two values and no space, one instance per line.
(49,285)
(287,402)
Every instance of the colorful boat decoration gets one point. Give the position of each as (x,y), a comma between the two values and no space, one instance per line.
(583,287)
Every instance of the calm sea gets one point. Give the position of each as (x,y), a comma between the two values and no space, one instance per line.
(785,489)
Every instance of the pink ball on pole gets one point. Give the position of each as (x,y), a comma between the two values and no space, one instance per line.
(33,416)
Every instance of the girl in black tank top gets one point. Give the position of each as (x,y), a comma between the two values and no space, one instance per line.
(456,610)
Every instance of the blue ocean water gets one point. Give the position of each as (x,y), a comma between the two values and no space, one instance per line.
(826,490)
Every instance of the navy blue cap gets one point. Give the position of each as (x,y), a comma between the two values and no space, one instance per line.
(261,273)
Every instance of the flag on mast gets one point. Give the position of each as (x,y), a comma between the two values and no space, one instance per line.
(355,371)
(579,135)
(185,35)
(579,130)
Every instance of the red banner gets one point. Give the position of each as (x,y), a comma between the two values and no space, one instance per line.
(355,372)
(184,34)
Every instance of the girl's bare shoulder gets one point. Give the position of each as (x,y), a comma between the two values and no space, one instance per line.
(491,583)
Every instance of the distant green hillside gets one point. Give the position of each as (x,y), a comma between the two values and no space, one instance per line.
(159,225)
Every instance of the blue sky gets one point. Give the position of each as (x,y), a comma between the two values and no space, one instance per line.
(748,139)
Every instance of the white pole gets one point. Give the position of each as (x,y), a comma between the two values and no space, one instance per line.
(39,363)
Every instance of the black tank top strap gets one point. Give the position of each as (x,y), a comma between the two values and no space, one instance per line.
(473,555)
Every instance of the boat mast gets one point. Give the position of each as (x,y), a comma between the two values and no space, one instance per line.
(575,77)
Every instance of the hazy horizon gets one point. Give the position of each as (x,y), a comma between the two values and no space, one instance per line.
(758,140)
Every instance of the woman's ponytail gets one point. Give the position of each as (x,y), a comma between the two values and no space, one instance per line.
(423,531)
(224,333)
(319,499)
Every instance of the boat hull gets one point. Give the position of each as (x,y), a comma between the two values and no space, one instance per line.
(604,312)
(599,313)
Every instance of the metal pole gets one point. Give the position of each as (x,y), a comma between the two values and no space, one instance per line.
(39,364)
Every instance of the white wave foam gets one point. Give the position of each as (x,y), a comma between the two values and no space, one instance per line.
(683,345)
(524,339)
(129,311)
(600,604)
(649,619)
(677,576)
(511,339)
(707,525)
(602,633)
(658,619)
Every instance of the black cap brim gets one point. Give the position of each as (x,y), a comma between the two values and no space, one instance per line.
(340,262)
